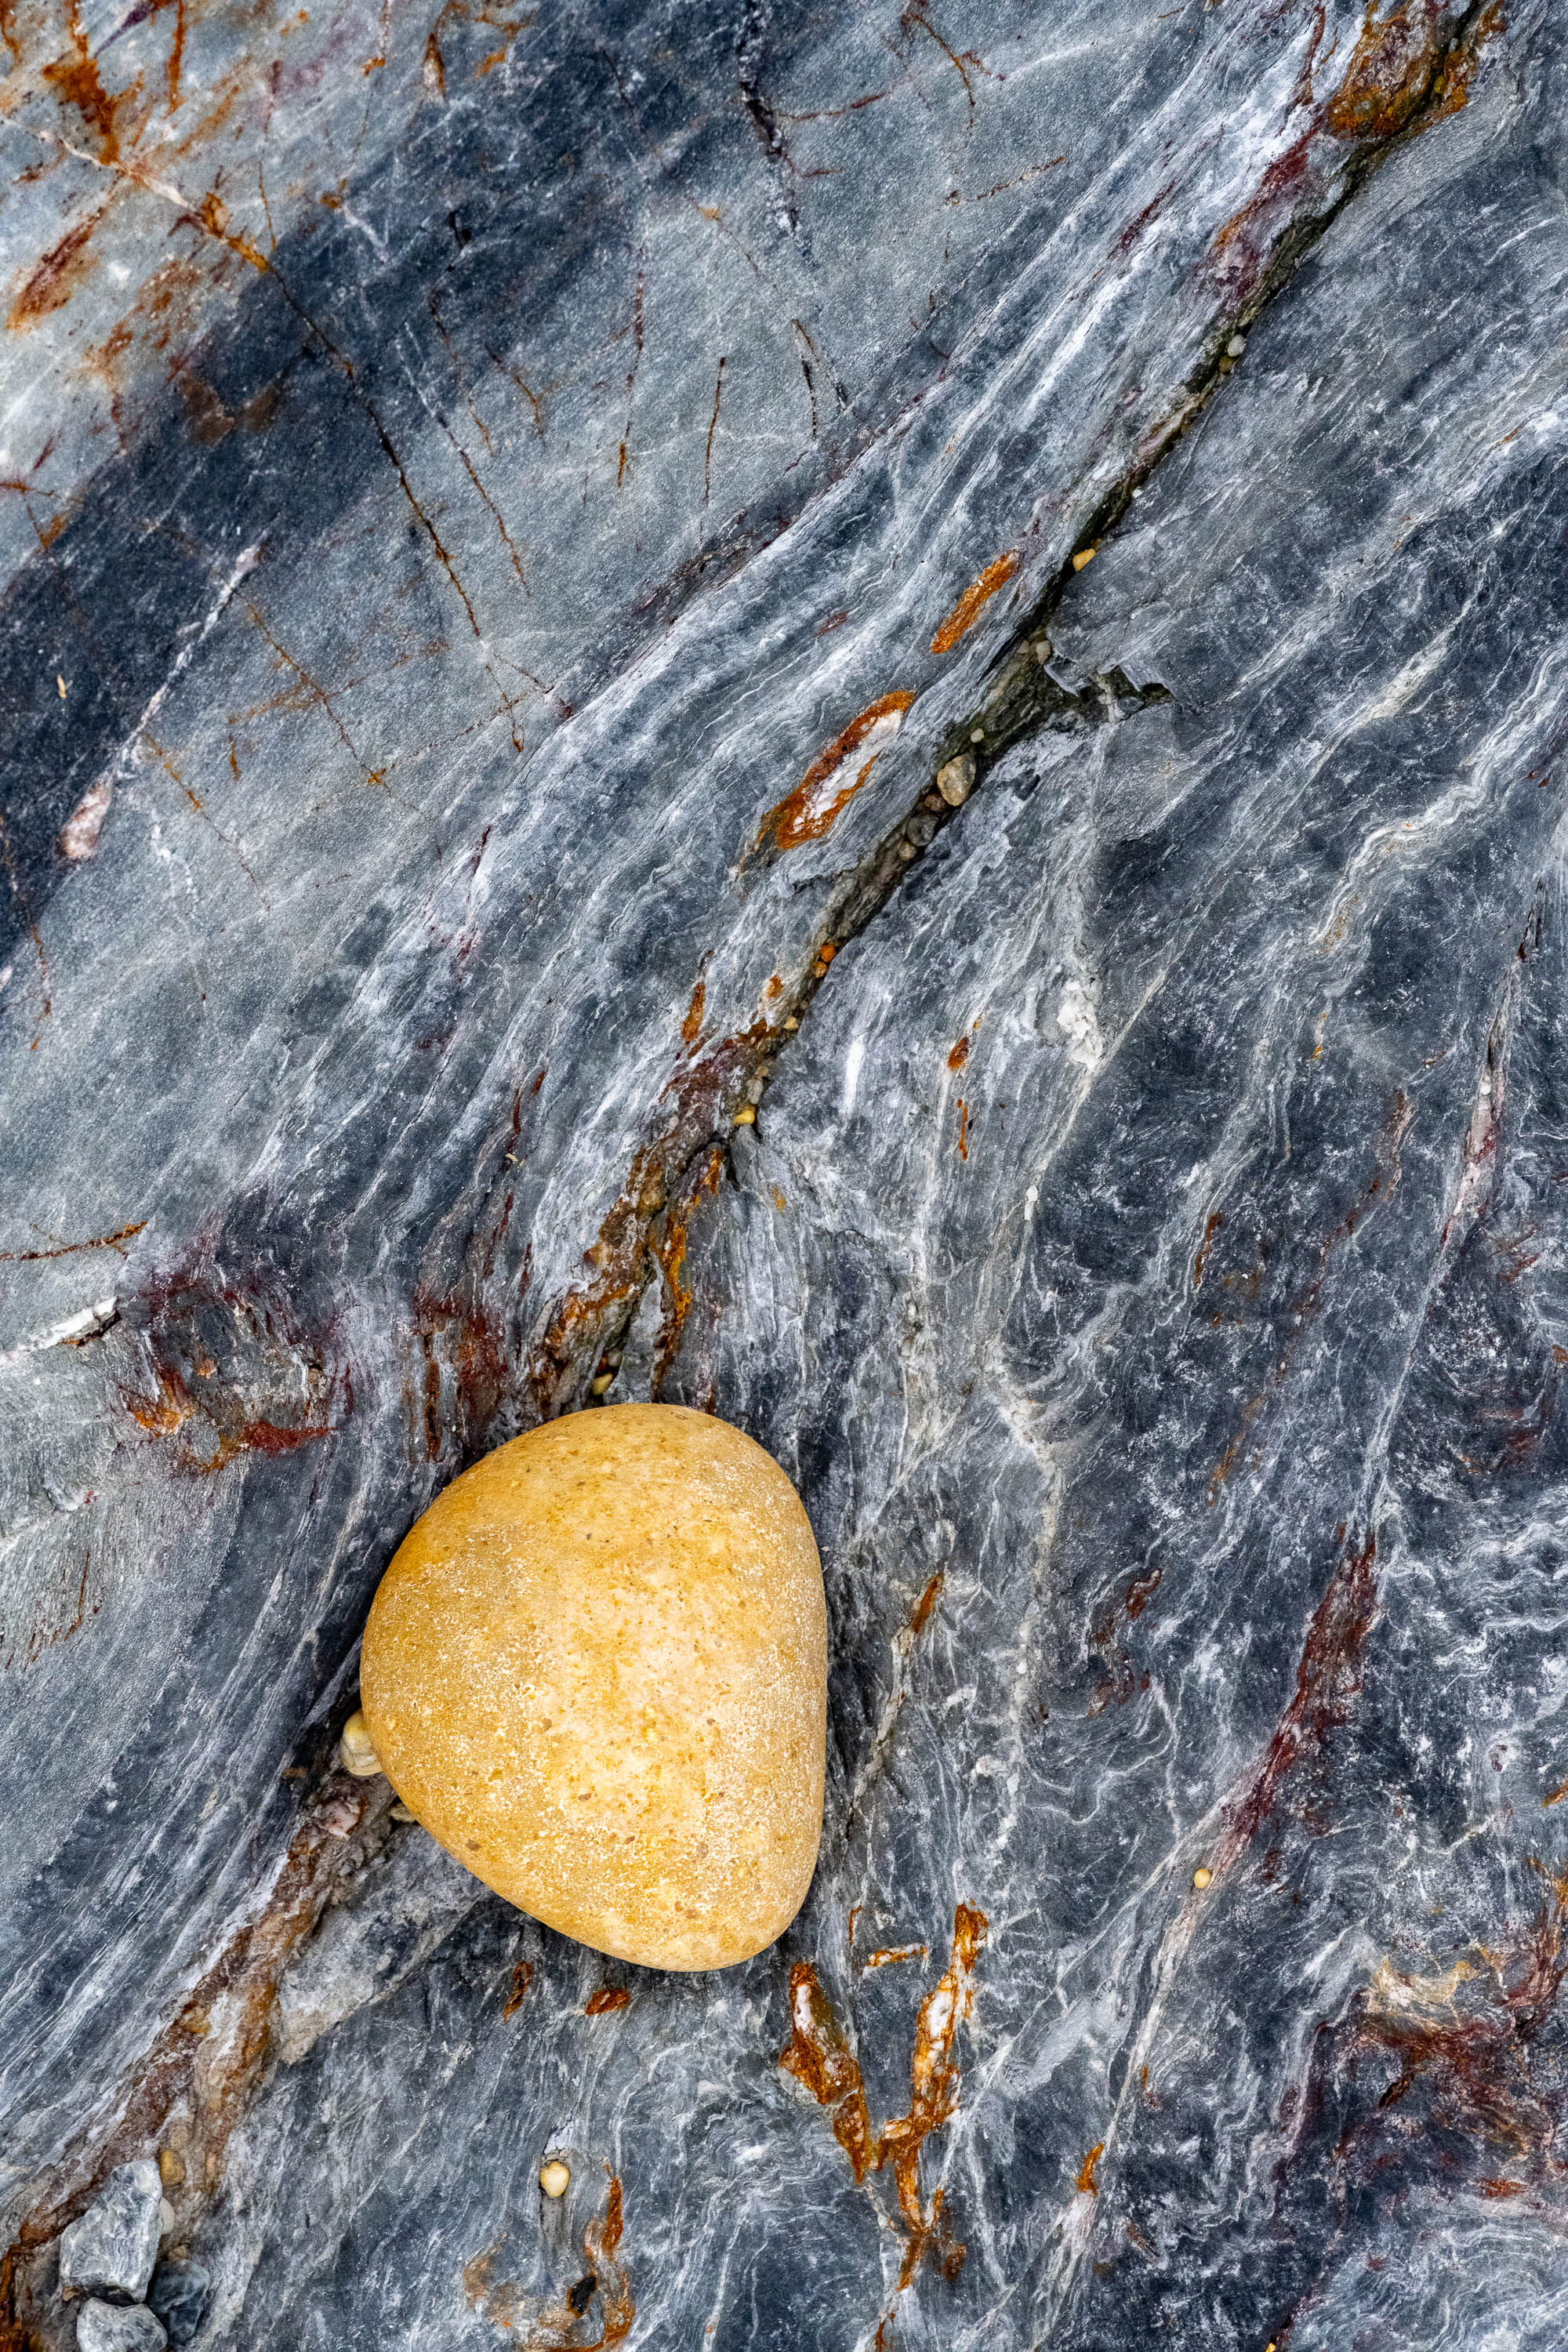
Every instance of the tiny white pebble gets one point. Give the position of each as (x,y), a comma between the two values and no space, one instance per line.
(977,734)
(1235,346)
(554,2177)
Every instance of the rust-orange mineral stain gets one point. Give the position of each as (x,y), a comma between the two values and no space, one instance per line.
(819,2056)
(834,776)
(667,1243)
(607,1999)
(967,610)
(1390,71)
(926,1603)
(557,2327)
(75,76)
(1396,77)
(933,2094)
(1086,2184)
(56,277)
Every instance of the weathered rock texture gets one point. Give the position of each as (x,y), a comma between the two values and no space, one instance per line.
(507,516)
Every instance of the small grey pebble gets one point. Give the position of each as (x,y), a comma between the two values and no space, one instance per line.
(920,829)
(111,2249)
(118,2327)
(179,2294)
(908,850)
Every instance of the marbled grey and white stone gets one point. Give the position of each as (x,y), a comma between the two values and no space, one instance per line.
(463,472)
(119,2327)
(178,2297)
(110,2250)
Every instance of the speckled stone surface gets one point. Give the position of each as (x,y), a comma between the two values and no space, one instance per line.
(504,518)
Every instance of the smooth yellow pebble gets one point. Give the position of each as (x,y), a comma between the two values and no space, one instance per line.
(1085,555)
(554,2179)
(357,1749)
(747,1116)
(1201,1878)
(596,1672)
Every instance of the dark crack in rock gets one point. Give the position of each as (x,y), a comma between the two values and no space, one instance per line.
(857,718)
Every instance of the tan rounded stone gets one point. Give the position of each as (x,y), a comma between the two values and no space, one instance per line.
(596,1672)
(356,1749)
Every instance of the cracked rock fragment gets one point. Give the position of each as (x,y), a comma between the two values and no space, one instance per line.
(179,2294)
(110,2250)
(119,2327)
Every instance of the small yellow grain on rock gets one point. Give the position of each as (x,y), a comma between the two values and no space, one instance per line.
(1085,555)
(357,1749)
(554,2177)
(1201,1877)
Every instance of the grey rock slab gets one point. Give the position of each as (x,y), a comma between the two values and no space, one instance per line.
(419,950)
(119,2327)
(512,642)
(112,2248)
(1147,1263)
